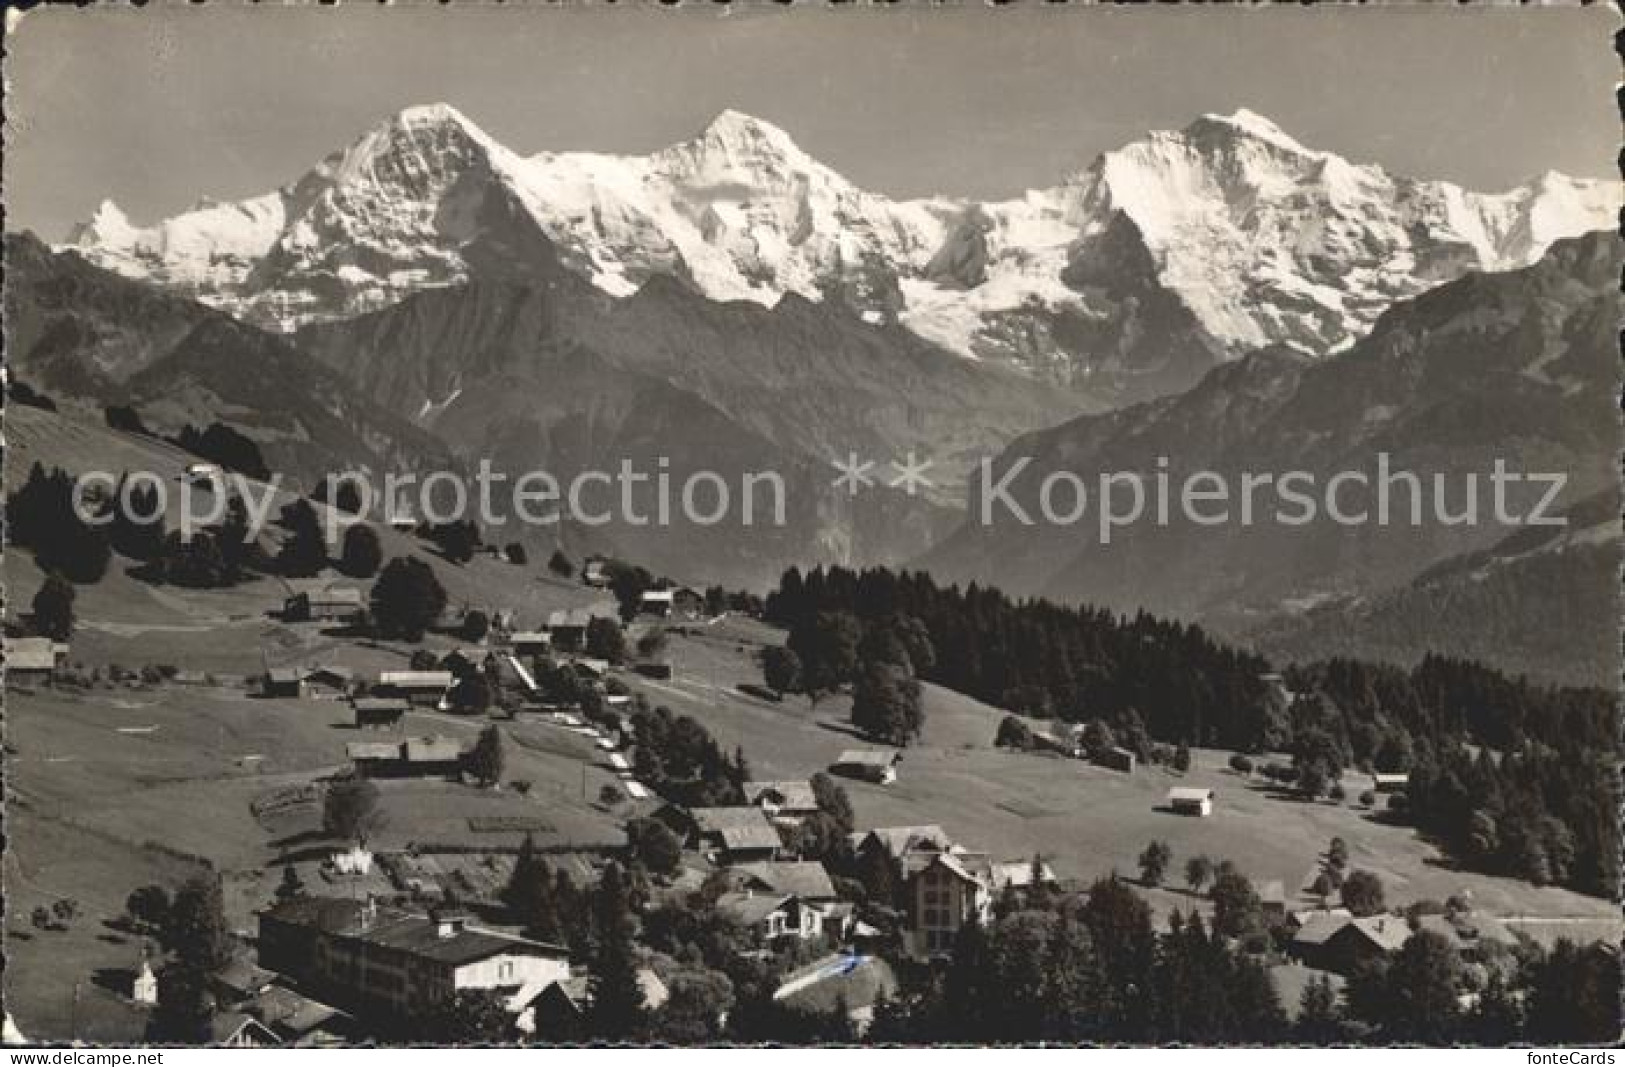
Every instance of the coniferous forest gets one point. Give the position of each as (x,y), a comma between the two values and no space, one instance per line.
(1507,776)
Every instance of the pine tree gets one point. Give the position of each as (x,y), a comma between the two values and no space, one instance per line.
(53,608)
(617,1011)
(484,762)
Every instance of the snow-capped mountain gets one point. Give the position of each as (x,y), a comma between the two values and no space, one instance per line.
(1128,279)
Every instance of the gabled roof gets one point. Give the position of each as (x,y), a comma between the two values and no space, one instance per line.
(31,653)
(432,749)
(337,595)
(364,750)
(416,679)
(794,795)
(394,704)
(1189,794)
(715,820)
(287,1012)
(899,840)
(751,909)
(229,1025)
(1272,892)
(405,931)
(1387,932)
(805,879)
(867,757)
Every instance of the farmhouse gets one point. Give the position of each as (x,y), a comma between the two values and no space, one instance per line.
(325,683)
(378,711)
(1191,800)
(33,659)
(300,1022)
(556,1014)
(1344,945)
(595,574)
(232,1029)
(868,764)
(397,963)
(567,629)
(415,687)
(530,642)
(785,801)
(1390,783)
(416,757)
(908,847)
(729,835)
(332,604)
(773,917)
(1116,758)
(804,879)
(678,603)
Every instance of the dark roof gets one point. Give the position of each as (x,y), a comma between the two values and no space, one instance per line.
(795,795)
(900,840)
(396,704)
(867,757)
(407,932)
(805,879)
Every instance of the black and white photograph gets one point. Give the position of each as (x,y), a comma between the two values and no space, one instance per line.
(891,525)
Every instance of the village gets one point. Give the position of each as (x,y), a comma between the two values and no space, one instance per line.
(508,736)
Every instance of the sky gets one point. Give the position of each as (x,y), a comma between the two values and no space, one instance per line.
(158,107)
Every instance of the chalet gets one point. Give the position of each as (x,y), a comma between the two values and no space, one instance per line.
(1345,945)
(729,835)
(1116,758)
(240,980)
(322,683)
(1297,920)
(329,683)
(1390,783)
(595,573)
(378,711)
(1191,800)
(421,688)
(908,847)
(868,764)
(589,667)
(678,603)
(415,757)
(332,604)
(782,801)
(773,918)
(567,629)
(803,879)
(656,602)
(395,963)
(233,1029)
(530,642)
(284,683)
(33,659)
(300,1022)
(1272,901)
(556,1014)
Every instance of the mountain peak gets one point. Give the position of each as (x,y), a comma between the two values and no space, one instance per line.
(736,137)
(438,114)
(1248,122)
